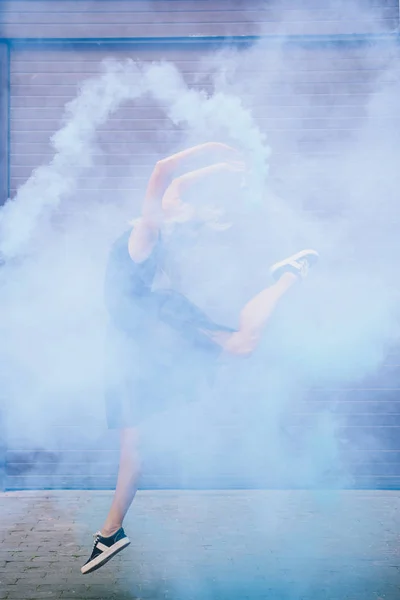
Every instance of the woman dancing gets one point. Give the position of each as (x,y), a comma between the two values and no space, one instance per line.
(162,348)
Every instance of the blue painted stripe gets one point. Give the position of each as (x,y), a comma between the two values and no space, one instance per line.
(314,40)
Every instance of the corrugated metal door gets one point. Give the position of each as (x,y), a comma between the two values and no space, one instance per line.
(324,87)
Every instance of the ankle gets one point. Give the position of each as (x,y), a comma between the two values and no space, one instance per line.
(108,531)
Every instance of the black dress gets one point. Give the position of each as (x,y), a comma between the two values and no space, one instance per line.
(158,353)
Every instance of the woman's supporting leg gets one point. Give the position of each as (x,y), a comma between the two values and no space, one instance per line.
(127,483)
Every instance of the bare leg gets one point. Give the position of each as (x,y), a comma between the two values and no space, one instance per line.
(128,477)
(253,318)
(255,315)
(259,309)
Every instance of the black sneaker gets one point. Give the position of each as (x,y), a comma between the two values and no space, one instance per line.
(105,548)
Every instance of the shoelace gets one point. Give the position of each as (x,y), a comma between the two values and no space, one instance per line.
(303,267)
(96,539)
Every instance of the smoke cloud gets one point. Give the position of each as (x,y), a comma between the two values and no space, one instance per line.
(333,331)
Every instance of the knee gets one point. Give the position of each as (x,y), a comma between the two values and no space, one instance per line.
(129,445)
(129,437)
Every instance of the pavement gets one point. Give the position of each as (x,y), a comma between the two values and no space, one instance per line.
(212,545)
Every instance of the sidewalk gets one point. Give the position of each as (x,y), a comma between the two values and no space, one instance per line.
(205,545)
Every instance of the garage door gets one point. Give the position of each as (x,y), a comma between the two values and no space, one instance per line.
(310,98)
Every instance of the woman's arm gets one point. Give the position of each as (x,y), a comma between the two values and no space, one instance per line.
(164,171)
(147,227)
(172,202)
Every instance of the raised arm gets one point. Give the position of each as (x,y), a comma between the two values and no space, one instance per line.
(172,202)
(165,169)
(147,227)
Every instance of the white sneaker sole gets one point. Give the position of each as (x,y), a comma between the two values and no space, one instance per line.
(105,556)
(311,255)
